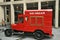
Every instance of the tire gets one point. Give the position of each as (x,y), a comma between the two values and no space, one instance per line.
(8,33)
(38,35)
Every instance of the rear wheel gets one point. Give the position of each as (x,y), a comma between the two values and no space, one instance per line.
(39,35)
(8,32)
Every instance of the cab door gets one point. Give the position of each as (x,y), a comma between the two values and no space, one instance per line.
(21,23)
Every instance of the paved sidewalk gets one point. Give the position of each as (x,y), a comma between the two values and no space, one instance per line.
(56,36)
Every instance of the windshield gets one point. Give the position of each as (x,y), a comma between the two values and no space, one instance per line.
(21,19)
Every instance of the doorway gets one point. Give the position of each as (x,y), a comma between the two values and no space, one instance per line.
(7,14)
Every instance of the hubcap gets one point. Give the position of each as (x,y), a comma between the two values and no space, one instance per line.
(8,33)
(38,35)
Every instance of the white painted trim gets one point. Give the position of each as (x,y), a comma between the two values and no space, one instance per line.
(41,10)
(56,13)
(19,2)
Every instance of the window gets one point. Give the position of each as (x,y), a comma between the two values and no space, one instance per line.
(6,0)
(18,9)
(7,13)
(48,5)
(32,6)
(17,0)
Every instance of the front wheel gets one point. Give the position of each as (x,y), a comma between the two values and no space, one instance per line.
(8,32)
(39,35)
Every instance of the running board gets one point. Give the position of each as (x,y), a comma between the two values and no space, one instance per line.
(18,33)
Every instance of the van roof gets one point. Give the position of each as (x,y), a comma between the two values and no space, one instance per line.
(41,10)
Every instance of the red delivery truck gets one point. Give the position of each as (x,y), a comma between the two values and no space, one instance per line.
(37,22)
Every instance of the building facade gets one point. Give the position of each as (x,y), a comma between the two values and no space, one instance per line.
(9,9)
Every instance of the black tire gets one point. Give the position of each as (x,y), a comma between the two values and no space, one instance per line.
(8,32)
(38,35)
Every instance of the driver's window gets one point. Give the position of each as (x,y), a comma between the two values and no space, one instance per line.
(21,19)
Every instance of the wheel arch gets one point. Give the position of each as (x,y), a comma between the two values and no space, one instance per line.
(39,30)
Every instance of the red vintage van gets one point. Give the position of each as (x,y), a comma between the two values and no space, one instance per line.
(37,22)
